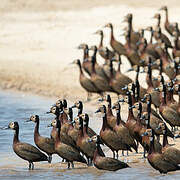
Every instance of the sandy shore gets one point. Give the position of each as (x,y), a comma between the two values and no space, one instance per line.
(38,40)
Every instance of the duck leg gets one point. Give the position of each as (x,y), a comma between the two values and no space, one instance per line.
(68,165)
(72,164)
(32,166)
(122,152)
(89,96)
(50,159)
(117,155)
(114,155)
(29,165)
(144,154)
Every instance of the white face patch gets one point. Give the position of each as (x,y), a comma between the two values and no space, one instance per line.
(151,138)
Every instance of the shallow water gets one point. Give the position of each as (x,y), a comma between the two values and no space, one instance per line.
(19,107)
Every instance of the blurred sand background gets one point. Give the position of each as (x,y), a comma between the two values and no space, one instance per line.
(38,39)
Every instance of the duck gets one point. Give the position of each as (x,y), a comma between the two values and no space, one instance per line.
(101,48)
(86,83)
(109,137)
(102,162)
(157,160)
(45,144)
(98,69)
(64,128)
(25,151)
(99,81)
(90,132)
(117,46)
(169,115)
(172,153)
(79,106)
(121,129)
(111,119)
(65,151)
(176,49)
(167,25)
(82,142)
(135,36)
(86,64)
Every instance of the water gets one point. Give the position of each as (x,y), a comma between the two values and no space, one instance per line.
(19,107)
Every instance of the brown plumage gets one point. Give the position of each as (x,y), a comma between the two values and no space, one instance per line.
(109,137)
(82,141)
(117,46)
(121,129)
(102,162)
(168,26)
(65,151)
(85,82)
(45,144)
(90,132)
(24,150)
(171,153)
(101,48)
(157,160)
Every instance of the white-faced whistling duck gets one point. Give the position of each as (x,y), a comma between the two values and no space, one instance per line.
(168,26)
(85,82)
(117,46)
(86,64)
(157,160)
(64,137)
(65,151)
(110,137)
(111,119)
(101,83)
(98,69)
(90,132)
(169,115)
(152,119)
(121,129)
(151,47)
(102,162)
(45,144)
(170,152)
(79,106)
(73,128)
(135,36)
(176,50)
(101,48)
(82,142)
(25,151)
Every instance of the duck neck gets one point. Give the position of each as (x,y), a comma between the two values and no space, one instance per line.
(112,33)
(149,113)
(165,140)
(86,53)
(105,124)
(149,79)
(36,130)
(109,107)
(167,20)
(151,149)
(118,115)
(159,22)
(86,124)
(80,68)
(80,111)
(163,98)
(151,39)
(101,41)
(58,134)
(16,136)
(97,152)
(130,113)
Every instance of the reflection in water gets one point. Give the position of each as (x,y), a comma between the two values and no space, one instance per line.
(18,107)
